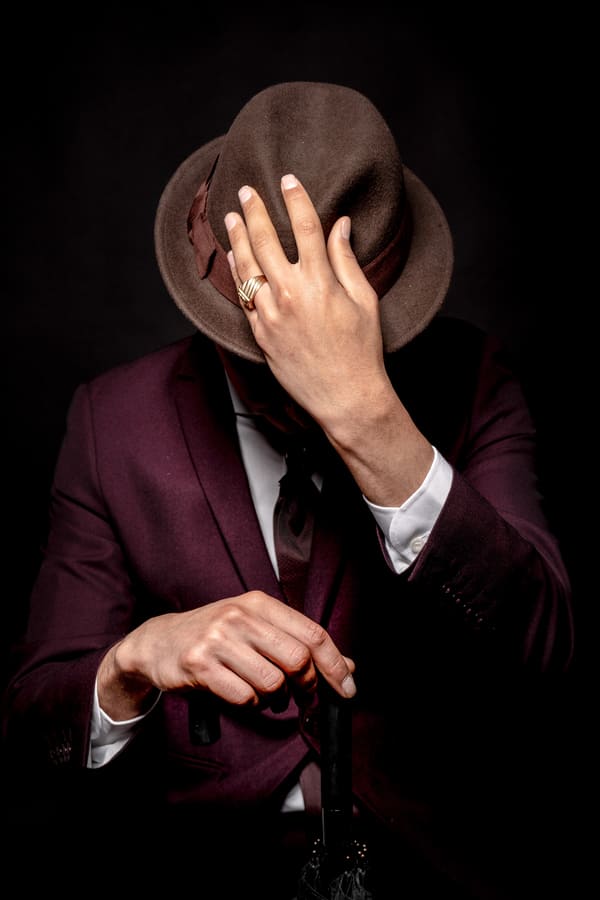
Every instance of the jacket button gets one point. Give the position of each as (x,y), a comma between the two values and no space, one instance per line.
(310,723)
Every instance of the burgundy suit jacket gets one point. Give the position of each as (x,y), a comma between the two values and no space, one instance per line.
(151,512)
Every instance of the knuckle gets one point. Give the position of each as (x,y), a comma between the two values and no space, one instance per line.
(269,315)
(300,658)
(245,266)
(231,616)
(316,635)
(285,295)
(255,599)
(338,667)
(334,669)
(346,252)
(193,660)
(213,640)
(261,238)
(242,695)
(270,679)
(307,226)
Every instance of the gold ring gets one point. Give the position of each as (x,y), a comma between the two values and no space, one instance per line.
(248,289)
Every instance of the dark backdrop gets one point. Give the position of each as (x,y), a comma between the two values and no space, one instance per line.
(100,107)
(99,111)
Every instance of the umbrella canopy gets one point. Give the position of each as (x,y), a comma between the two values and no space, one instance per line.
(336,876)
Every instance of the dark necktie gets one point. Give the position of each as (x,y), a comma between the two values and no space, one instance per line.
(293,524)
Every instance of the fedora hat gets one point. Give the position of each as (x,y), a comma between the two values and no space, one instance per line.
(337,143)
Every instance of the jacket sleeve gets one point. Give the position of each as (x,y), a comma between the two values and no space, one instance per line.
(491,561)
(81,603)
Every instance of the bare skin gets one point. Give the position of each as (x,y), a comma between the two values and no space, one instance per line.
(317,322)
(243,649)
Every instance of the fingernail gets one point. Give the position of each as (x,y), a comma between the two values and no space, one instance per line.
(348,686)
(244,193)
(289,181)
(229,221)
(346,225)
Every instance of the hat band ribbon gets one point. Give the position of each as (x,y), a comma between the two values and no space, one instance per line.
(211,258)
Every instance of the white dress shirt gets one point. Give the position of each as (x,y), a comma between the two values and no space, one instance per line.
(405,528)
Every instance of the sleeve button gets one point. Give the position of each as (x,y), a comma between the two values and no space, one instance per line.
(417,544)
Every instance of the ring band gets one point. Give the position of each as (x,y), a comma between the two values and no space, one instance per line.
(248,289)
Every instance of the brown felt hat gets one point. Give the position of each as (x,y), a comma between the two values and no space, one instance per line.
(339,146)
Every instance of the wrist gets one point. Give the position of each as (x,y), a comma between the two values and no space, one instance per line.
(367,418)
(383,449)
(122,692)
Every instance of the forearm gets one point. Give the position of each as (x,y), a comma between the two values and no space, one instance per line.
(384,451)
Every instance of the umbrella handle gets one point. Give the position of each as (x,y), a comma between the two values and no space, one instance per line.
(335,717)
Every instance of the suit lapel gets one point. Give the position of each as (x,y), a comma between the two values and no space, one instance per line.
(208,424)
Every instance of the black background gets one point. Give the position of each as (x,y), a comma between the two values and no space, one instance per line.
(100,105)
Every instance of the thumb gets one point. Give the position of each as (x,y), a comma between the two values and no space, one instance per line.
(345,264)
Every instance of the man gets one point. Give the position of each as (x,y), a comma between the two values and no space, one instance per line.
(164,641)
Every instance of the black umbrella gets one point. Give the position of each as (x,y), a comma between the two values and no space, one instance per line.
(338,867)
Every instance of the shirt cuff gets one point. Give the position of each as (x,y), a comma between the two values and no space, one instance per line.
(406,528)
(108,737)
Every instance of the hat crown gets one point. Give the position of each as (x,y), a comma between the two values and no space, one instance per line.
(330,137)
(337,143)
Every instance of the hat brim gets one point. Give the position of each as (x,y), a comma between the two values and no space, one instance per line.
(405,309)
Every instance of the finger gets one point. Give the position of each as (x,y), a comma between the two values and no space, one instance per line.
(351,665)
(290,657)
(241,257)
(246,302)
(231,687)
(334,666)
(236,278)
(250,680)
(233,267)
(262,238)
(248,307)
(306,225)
(344,262)
(312,646)
(325,656)
(260,651)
